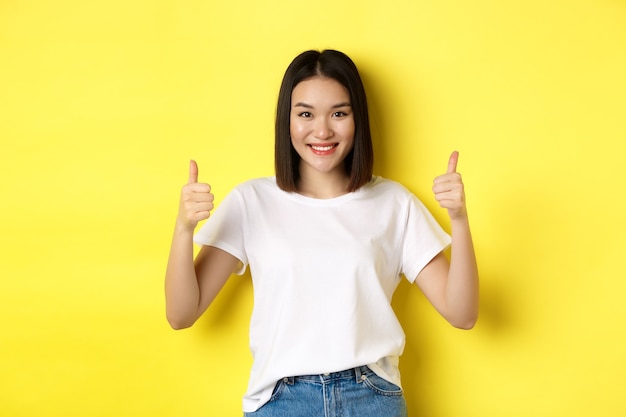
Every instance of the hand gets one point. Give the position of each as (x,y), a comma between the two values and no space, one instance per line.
(449,190)
(196,200)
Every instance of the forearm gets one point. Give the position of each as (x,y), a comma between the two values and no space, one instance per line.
(182,292)
(462,292)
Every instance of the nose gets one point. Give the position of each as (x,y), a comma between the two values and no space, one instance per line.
(323,129)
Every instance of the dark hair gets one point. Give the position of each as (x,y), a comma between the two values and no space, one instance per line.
(338,66)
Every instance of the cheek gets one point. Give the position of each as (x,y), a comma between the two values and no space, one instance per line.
(348,130)
(295,129)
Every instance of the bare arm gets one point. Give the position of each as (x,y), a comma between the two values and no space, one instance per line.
(452,286)
(190,286)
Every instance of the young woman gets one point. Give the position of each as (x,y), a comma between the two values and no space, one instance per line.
(327,243)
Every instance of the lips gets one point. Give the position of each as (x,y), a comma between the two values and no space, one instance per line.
(323,149)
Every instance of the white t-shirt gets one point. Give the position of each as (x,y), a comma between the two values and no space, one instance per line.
(323,272)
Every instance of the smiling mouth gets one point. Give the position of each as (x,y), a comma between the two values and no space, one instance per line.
(324,148)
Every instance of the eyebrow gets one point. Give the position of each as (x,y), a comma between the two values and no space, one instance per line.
(335,106)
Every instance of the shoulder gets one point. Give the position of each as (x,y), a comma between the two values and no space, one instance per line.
(393,193)
(250,193)
(258,188)
(257,184)
(379,185)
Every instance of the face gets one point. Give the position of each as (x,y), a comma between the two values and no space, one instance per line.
(321,126)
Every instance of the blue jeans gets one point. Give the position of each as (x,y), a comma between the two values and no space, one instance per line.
(351,393)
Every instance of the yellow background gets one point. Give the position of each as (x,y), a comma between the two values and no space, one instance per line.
(102,104)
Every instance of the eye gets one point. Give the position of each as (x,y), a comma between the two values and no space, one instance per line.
(305,114)
(340,114)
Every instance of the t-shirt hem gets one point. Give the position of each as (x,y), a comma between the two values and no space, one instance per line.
(429,256)
(241,268)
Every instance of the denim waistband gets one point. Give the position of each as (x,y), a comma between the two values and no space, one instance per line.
(353,373)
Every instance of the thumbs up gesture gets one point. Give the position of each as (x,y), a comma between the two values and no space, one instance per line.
(449,190)
(196,200)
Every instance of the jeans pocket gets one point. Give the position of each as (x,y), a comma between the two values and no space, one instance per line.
(278,388)
(380,385)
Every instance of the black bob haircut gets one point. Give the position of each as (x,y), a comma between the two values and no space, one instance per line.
(333,64)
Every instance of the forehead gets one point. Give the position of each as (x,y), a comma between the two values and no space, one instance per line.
(320,89)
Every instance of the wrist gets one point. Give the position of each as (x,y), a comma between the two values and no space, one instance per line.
(458,216)
(184,227)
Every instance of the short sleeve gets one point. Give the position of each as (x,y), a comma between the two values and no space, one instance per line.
(225,229)
(423,240)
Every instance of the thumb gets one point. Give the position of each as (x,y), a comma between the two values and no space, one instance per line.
(193,172)
(454,159)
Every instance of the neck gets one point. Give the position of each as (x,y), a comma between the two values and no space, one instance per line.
(323,186)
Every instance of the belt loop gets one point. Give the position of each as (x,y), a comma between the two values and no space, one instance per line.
(358,373)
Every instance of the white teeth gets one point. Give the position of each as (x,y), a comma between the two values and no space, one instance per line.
(322,148)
